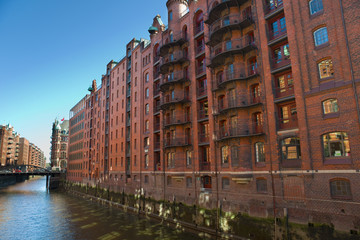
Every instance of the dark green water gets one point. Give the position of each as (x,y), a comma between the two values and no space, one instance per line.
(28,211)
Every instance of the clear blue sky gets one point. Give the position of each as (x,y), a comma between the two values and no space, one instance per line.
(51,50)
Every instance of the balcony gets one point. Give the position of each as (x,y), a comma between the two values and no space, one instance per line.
(156,126)
(173,78)
(200,50)
(156,90)
(200,71)
(198,29)
(290,122)
(178,97)
(156,73)
(156,145)
(156,58)
(179,119)
(273,8)
(204,138)
(204,166)
(238,131)
(228,23)
(276,36)
(229,48)
(157,108)
(280,63)
(177,142)
(203,114)
(284,92)
(201,92)
(216,7)
(173,40)
(172,59)
(237,102)
(241,73)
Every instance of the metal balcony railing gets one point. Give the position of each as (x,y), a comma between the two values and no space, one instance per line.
(230,20)
(238,102)
(177,97)
(280,62)
(273,6)
(177,142)
(288,123)
(277,34)
(177,119)
(204,138)
(240,44)
(204,166)
(286,91)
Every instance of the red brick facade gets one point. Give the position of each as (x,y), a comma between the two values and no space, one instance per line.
(248,105)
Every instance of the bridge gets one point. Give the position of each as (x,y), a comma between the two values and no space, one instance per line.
(24,171)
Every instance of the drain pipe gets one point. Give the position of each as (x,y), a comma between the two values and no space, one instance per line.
(350,61)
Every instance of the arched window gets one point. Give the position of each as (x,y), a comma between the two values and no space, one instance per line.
(199,22)
(255,93)
(184,33)
(336,144)
(146,160)
(147,109)
(219,77)
(330,106)
(340,188)
(259,152)
(224,155)
(206,182)
(258,122)
(188,158)
(235,156)
(225,183)
(321,36)
(326,68)
(147,93)
(252,66)
(171,36)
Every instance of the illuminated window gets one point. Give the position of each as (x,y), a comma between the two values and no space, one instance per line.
(326,68)
(330,106)
(336,144)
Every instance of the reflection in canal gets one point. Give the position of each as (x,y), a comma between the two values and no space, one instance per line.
(27,211)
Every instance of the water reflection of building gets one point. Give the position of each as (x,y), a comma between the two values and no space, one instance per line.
(59,144)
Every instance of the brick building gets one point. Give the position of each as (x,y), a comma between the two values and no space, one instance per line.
(36,156)
(9,145)
(76,141)
(59,144)
(15,150)
(24,151)
(251,105)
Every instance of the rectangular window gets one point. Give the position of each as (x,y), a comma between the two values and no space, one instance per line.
(261,185)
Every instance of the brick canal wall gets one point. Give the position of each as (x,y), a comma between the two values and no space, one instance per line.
(211,222)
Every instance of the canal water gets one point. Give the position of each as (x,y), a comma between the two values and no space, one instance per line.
(28,211)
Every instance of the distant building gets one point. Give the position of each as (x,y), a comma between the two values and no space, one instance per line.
(9,145)
(23,158)
(36,156)
(59,144)
(76,140)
